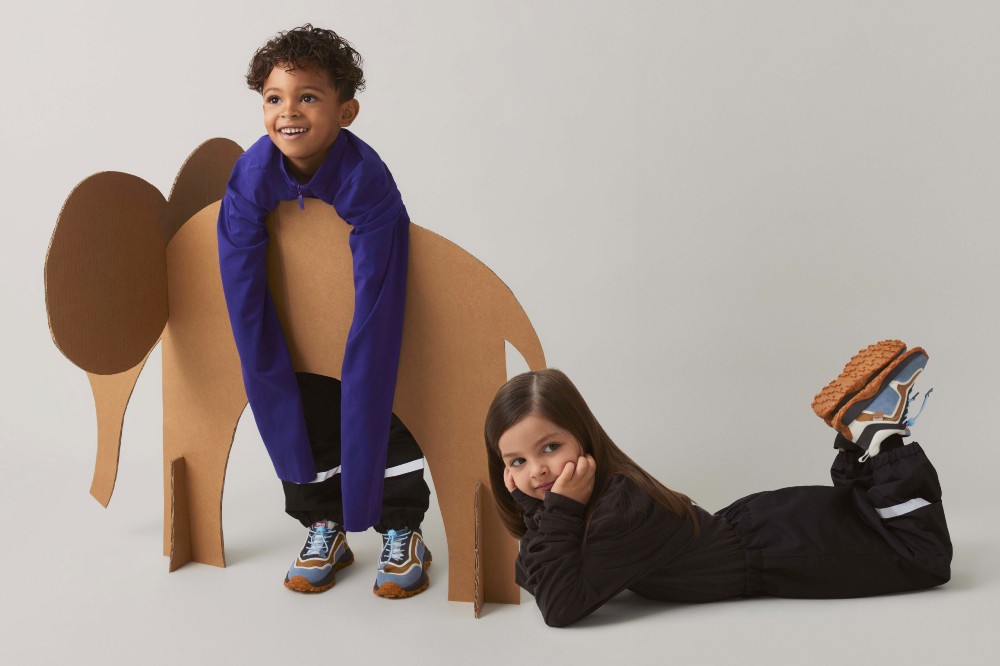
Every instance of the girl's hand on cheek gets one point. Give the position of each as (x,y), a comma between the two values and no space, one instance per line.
(577,480)
(508,480)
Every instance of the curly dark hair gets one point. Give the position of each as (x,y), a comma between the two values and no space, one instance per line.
(307,46)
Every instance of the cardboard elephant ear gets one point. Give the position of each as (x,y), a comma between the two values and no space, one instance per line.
(106,281)
(106,273)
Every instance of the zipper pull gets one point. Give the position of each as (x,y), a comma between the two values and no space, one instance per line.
(302,204)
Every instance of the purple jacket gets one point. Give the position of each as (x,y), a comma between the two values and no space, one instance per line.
(356,182)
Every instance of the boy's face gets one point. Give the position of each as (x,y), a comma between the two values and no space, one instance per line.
(303,115)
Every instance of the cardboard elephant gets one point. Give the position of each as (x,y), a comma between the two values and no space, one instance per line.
(127,268)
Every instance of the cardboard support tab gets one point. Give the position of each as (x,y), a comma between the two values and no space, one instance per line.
(180,523)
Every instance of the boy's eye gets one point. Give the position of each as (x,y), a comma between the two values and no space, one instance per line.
(272,99)
(308,98)
(550,447)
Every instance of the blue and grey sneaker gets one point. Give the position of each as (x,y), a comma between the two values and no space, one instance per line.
(402,565)
(324,553)
(868,415)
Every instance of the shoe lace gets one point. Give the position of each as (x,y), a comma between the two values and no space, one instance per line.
(392,549)
(913,419)
(907,421)
(317,541)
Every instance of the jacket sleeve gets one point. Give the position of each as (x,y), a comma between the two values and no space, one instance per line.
(570,579)
(380,248)
(271,387)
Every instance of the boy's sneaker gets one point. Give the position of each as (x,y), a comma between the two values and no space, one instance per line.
(870,399)
(402,565)
(324,553)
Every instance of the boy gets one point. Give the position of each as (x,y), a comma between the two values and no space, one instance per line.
(330,450)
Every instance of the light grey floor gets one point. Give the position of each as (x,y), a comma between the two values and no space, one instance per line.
(85,585)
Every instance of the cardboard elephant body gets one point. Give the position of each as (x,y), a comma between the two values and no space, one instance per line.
(458,316)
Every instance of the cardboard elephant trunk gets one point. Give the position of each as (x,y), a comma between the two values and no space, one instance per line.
(127,268)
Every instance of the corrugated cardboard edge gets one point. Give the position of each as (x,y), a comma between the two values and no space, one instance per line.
(479,596)
(180,522)
(111,396)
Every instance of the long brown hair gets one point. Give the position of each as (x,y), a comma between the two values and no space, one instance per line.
(550,394)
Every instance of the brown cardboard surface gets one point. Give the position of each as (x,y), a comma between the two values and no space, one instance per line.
(180,524)
(203,395)
(106,274)
(458,315)
(111,396)
(200,181)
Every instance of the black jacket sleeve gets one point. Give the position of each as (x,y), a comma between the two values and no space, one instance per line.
(629,535)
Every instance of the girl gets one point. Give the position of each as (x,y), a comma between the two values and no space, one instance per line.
(593,523)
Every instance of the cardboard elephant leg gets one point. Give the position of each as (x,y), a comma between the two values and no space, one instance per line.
(444,390)
(111,396)
(203,394)
(480,552)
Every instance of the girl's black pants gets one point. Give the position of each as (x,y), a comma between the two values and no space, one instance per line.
(880,529)
(405,495)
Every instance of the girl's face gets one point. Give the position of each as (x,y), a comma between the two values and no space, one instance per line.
(535,450)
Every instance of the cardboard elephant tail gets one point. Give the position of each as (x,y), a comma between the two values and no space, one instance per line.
(519,332)
(513,323)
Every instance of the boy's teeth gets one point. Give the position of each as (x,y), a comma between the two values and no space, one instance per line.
(293,130)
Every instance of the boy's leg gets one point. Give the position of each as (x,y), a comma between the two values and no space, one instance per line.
(318,506)
(404,559)
(405,495)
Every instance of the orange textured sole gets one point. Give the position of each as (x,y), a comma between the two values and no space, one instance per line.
(394,591)
(302,584)
(871,389)
(858,374)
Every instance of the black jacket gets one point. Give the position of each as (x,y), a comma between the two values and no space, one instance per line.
(633,543)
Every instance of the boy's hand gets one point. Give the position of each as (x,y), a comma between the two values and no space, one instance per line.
(577,480)
(508,480)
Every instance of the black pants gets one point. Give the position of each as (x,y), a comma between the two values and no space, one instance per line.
(879,529)
(405,495)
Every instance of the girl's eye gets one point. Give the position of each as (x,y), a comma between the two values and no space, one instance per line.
(549,448)
(517,462)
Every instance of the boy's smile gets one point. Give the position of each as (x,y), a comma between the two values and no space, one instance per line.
(303,115)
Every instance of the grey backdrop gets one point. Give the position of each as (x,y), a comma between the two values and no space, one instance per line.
(704,207)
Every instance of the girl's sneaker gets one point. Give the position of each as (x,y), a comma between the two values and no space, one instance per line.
(402,565)
(324,553)
(870,399)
